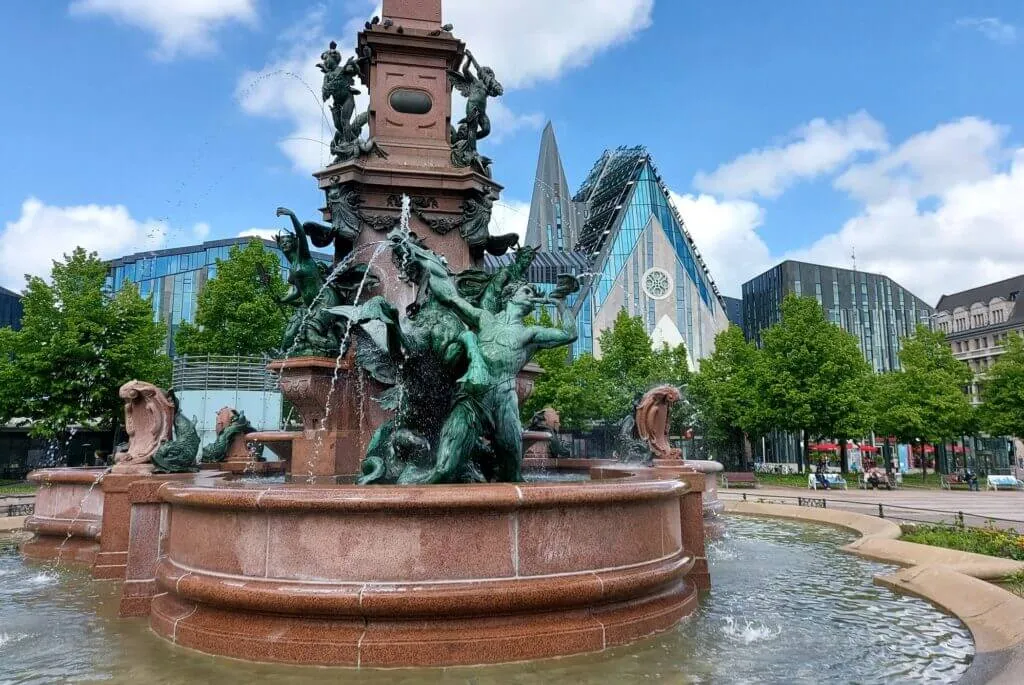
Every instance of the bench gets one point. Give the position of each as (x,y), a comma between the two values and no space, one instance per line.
(739,478)
(953,480)
(862,481)
(996,482)
(834,480)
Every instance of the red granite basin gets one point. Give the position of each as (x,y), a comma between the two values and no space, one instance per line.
(421,576)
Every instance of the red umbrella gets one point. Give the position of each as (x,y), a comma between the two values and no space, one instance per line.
(868,448)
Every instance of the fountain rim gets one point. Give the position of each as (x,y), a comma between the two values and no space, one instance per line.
(86,475)
(397,498)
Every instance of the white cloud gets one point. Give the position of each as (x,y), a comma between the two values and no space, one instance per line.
(44,233)
(971,237)
(524,42)
(201,230)
(929,163)
(182,27)
(992,28)
(537,40)
(816,148)
(725,232)
(939,213)
(265,233)
(510,216)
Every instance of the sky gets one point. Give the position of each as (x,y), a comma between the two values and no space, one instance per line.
(891,133)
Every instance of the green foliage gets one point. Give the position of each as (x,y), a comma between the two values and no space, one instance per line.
(577,391)
(989,540)
(588,390)
(239,311)
(631,366)
(1003,392)
(1015,583)
(812,375)
(76,347)
(932,385)
(725,395)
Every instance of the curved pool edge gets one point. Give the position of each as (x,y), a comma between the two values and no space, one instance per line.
(953,580)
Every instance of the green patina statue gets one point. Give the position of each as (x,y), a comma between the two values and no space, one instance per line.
(452,364)
(230,425)
(178,455)
(339,88)
(313,289)
(476,125)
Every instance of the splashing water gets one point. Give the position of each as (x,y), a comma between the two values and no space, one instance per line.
(749,632)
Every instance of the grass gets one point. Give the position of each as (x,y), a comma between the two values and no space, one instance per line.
(17,487)
(1015,583)
(796,480)
(993,542)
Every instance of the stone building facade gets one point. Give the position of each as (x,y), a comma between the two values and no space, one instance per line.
(977,321)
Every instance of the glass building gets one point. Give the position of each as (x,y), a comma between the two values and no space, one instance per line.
(873,307)
(174,277)
(10,309)
(642,258)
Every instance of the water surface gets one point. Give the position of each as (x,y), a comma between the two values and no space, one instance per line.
(787,608)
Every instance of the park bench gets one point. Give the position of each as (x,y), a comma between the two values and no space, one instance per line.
(835,480)
(1009,482)
(953,480)
(739,478)
(862,481)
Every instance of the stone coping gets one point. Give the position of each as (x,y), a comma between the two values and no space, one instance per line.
(12,523)
(492,497)
(953,580)
(70,474)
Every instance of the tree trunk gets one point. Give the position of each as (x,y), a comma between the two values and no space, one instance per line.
(844,457)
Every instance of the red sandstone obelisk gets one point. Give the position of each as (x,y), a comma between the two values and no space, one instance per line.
(410,118)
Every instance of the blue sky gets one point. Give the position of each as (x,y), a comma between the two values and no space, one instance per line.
(800,129)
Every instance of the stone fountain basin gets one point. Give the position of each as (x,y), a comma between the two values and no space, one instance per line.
(420,576)
(67,516)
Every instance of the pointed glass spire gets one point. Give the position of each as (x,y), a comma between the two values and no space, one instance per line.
(554,223)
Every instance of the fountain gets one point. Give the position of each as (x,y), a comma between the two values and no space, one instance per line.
(403,535)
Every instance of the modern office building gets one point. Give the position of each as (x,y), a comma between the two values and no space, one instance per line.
(977,321)
(10,309)
(175,276)
(873,307)
(622,225)
(555,220)
(734,310)
(642,258)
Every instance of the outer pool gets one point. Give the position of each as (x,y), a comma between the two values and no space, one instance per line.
(787,607)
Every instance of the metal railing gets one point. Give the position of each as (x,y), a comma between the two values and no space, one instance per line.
(895,512)
(20,509)
(222,373)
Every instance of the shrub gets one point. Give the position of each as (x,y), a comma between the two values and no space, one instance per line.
(992,541)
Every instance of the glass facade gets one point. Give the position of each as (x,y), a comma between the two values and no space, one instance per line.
(173,278)
(623,195)
(872,307)
(10,309)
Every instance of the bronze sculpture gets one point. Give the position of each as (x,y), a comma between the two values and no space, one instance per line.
(476,125)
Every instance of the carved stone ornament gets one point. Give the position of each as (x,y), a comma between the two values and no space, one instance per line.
(652,419)
(148,421)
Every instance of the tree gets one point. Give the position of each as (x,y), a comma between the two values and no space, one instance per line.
(725,396)
(576,390)
(812,375)
(1002,393)
(628,362)
(932,384)
(76,347)
(239,311)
